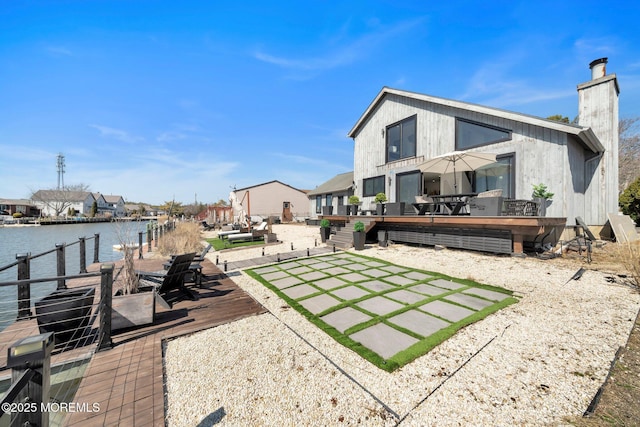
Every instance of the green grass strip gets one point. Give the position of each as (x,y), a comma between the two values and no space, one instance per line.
(424,345)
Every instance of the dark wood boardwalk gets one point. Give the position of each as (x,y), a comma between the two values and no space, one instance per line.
(127,380)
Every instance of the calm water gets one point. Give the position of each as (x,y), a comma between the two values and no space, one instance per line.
(35,240)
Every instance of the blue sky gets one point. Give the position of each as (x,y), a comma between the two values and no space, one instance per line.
(155,100)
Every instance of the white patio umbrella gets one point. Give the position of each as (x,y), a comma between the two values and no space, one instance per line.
(457,161)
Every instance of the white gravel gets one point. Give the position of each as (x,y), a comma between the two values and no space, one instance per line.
(532,363)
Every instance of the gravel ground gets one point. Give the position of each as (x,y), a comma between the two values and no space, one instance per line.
(533,363)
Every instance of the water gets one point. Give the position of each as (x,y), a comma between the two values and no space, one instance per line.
(35,240)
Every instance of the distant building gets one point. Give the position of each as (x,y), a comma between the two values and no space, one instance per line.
(23,206)
(272,198)
(59,202)
(334,194)
(114,205)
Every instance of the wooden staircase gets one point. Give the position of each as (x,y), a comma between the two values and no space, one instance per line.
(343,239)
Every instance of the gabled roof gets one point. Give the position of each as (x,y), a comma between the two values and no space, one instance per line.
(112,198)
(341,182)
(70,196)
(269,182)
(584,134)
(16,202)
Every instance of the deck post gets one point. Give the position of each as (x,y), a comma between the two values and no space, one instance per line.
(24,289)
(83,255)
(61,265)
(140,245)
(96,247)
(149,239)
(106,289)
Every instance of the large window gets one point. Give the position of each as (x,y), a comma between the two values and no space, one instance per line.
(470,134)
(328,200)
(408,186)
(401,140)
(500,175)
(373,186)
(318,204)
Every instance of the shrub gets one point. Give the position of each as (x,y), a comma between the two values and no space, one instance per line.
(380,198)
(184,239)
(324,223)
(358,226)
(354,200)
(540,191)
(629,201)
(17,215)
(629,256)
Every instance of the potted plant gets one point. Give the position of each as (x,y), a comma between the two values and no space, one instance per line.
(354,201)
(325,229)
(543,197)
(358,235)
(380,199)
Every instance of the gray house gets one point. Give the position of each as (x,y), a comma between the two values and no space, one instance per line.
(400,130)
(333,194)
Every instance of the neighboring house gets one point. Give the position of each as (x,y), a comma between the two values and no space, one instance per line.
(334,193)
(270,199)
(59,202)
(579,163)
(114,205)
(23,206)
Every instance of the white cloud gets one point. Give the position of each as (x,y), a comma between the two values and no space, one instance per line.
(118,134)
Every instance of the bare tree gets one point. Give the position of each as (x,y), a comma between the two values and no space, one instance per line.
(59,200)
(628,151)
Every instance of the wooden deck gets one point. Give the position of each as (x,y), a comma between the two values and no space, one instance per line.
(523,229)
(127,380)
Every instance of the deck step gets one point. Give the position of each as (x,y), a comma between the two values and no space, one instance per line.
(343,238)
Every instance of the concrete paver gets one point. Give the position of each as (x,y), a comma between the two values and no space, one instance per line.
(345,318)
(383,339)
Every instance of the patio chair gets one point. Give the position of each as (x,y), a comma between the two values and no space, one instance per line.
(171,280)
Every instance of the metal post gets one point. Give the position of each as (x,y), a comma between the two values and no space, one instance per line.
(278,257)
(140,245)
(106,288)
(225,265)
(149,238)
(24,289)
(315,243)
(307,251)
(217,262)
(30,363)
(291,245)
(334,247)
(83,255)
(262,251)
(61,265)
(96,248)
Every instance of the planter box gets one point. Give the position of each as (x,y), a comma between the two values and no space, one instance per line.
(358,240)
(343,210)
(327,210)
(395,209)
(486,206)
(324,233)
(132,310)
(65,312)
(354,209)
(380,209)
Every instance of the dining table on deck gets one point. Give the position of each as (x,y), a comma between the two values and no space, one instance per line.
(453,204)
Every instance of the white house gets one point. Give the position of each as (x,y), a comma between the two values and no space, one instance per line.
(333,193)
(113,204)
(59,202)
(400,130)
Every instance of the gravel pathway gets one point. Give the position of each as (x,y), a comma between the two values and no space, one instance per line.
(532,363)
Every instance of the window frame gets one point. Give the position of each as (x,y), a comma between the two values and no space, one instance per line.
(401,124)
(366,193)
(458,147)
(318,203)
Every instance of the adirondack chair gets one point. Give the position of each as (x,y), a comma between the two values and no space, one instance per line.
(166,282)
(195,268)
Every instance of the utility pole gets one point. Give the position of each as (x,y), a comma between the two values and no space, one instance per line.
(60,171)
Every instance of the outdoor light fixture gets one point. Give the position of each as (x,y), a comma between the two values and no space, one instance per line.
(30,349)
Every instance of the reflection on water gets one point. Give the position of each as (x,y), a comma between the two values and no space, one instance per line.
(38,239)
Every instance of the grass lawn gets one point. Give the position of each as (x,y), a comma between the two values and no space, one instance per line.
(219,244)
(388,314)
